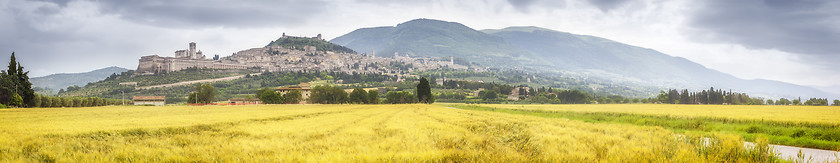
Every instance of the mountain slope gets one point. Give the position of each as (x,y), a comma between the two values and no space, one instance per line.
(542,49)
(299,42)
(583,53)
(64,80)
(432,38)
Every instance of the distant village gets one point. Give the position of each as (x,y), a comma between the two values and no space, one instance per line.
(278,58)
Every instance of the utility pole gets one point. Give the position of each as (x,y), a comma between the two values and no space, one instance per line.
(123,96)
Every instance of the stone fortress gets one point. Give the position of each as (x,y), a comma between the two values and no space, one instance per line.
(279,58)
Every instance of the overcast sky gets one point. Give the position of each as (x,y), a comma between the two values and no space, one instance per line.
(785,40)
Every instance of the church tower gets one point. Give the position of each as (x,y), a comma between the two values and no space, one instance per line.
(192,51)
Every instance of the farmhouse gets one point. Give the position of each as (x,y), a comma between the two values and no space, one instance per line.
(150,100)
(304,89)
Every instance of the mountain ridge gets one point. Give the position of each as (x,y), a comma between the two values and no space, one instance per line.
(542,49)
(414,36)
(63,80)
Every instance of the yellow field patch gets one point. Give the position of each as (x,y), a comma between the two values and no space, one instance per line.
(813,114)
(334,133)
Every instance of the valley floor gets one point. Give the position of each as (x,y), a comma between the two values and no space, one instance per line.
(793,126)
(341,133)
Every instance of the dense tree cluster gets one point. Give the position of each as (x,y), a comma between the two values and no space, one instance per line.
(497,93)
(270,96)
(373,97)
(816,102)
(328,95)
(15,88)
(488,95)
(358,96)
(204,94)
(710,96)
(336,95)
(400,97)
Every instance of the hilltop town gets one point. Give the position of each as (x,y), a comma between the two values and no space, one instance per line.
(291,58)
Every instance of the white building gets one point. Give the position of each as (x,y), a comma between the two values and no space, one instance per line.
(150,100)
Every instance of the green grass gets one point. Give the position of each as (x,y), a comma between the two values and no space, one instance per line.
(810,135)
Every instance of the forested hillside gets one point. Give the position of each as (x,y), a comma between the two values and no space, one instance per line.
(62,80)
(298,43)
(110,88)
(544,51)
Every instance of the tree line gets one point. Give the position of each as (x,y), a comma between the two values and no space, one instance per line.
(327,94)
(269,96)
(498,93)
(712,96)
(52,101)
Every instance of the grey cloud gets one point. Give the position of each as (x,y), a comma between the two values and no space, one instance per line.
(227,13)
(526,6)
(521,3)
(400,2)
(606,5)
(46,39)
(804,27)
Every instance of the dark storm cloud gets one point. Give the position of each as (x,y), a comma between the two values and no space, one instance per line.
(228,13)
(804,27)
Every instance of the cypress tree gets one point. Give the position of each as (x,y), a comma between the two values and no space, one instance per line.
(15,82)
(424,91)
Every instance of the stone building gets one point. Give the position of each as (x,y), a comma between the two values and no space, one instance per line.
(244,101)
(183,59)
(304,88)
(514,93)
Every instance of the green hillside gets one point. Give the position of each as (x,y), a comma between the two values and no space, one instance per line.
(63,80)
(299,42)
(433,38)
(110,88)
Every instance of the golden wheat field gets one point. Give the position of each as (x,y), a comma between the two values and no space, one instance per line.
(341,133)
(812,114)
